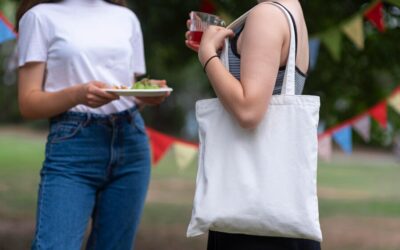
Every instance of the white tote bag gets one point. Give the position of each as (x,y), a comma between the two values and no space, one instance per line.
(261,181)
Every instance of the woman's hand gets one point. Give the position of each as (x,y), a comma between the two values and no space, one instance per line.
(141,101)
(191,45)
(152,101)
(92,95)
(212,41)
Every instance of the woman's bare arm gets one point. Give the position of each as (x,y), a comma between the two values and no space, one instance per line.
(261,46)
(35,103)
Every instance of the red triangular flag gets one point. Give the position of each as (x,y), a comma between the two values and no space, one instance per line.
(375,16)
(379,113)
(160,144)
(207,6)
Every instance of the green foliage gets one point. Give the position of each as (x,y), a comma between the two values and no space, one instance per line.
(359,80)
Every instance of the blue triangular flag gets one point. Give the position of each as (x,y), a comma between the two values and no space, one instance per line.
(321,127)
(314,44)
(343,137)
(6,32)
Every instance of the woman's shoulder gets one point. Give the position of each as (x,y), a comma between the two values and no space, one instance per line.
(266,11)
(125,11)
(39,12)
(266,16)
(34,14)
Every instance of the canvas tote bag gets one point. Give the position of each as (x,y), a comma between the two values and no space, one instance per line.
(261,181)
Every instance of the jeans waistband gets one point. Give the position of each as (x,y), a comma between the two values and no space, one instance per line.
(126,115)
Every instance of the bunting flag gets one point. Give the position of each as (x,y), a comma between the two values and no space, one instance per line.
(184,154)
(325,147)
(379,113)
(394,101)
(343,137)
(321,127)
(354,30)
(333,42)
(6,29)
(160,143)
(207,6)
(375,15)
(314,44)
(363,127)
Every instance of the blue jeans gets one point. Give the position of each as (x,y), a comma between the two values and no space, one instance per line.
(96,166)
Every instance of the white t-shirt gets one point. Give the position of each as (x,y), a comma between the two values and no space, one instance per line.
(82,41)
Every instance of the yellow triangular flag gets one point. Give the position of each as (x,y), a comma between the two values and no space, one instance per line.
(333,42)
(394,101)
(354,29)
(184,154)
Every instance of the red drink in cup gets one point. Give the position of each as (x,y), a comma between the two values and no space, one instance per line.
(199,22)
(195,36)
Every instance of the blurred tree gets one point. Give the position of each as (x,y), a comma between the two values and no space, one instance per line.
(8,89)
(360,79)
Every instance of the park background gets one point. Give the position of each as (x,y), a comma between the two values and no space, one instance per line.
(359,187)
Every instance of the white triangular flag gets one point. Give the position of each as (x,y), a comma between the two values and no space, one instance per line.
(325,147)
(184,154)
(363,128)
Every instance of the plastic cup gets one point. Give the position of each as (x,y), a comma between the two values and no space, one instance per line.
(199,23)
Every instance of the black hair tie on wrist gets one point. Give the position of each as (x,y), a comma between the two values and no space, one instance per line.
(209,59)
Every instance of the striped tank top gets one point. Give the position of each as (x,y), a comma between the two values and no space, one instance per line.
(234,63)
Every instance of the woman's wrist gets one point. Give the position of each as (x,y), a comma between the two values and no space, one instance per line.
(208,61)
(76,94)
(205,55)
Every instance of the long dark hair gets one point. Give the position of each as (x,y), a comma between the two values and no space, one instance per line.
(26,5)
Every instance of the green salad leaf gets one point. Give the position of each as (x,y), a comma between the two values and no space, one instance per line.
(145,83)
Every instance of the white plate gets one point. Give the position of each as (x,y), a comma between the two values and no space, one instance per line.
(140,92)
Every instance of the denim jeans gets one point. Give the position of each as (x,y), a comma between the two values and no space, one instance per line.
(96,166)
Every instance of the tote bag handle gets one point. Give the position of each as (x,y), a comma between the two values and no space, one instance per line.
(288,87)
(289,81)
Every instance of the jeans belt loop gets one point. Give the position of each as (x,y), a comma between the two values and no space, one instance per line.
(88,118)
(131,115)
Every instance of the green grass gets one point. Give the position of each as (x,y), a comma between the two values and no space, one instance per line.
(21,159)
(167,168)
(346,189)
(164,214)
(20,153)
(370,208)
(379,181)
(20,162)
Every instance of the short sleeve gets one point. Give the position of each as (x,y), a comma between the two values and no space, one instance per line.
(32,40)
(139,64)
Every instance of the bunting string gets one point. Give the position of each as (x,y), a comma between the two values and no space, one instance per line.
(352,28)
(342,133)
(7,31)
(185,152)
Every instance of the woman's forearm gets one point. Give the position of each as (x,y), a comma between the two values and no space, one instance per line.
(233,95)
(227,87)
(38,104)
